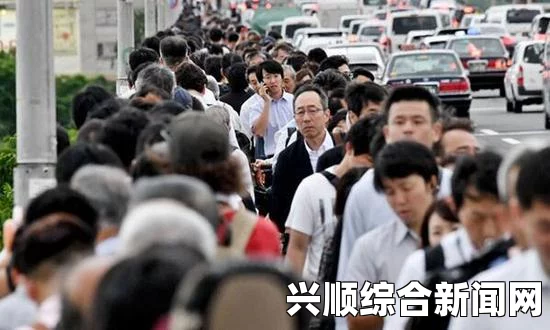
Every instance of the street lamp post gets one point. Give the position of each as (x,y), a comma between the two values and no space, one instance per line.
(150,17)
(125,42)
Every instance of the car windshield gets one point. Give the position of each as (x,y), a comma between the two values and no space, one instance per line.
(534,53)
(423,65)
(374,2)
(291,28)
(355,27)
(521,15)
(347,22)
(478,47)
(438,44)
(403,25)
(372,31)
(277,28)
(381,16)
(543,24)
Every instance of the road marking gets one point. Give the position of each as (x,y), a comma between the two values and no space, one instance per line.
(511,141)
(518,133)
(488,131)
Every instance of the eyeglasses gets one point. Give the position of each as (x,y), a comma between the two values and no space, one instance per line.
(310,111)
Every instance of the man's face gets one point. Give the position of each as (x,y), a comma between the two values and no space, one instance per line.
(289,83)
(344,69)
(256,60)
(361,79)
(370,109)
(480,215)
(311,118)
(411,120)
(253,82)
(538,231)
(459,142)
(281,56)
(274,83)
(409,197)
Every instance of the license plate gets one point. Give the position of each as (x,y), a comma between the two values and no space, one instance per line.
(477,66)
(432,88)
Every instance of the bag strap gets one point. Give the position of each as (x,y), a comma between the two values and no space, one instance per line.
(435,258)
(241,227)
(333,179)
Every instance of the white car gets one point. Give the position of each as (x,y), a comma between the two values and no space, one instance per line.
(523,80)
(471,19)
(371,31)
(368,55)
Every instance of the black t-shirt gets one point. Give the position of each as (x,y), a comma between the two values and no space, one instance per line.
(330,157)
(236,100)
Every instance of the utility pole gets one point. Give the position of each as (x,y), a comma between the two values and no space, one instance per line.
(161,14)
(125,42)
(36,108)
(150,17)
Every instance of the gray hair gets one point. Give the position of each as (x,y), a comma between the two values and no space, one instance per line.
(108,190)
(219,114)
(165,221)
(514,158)
(213,86)
(289,69)
(158,76)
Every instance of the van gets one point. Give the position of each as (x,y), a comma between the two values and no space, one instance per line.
(346,20)
(291,24)
(539,27)
(401,23)
(516,18)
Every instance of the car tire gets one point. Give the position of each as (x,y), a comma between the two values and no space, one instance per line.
(518,107)
(502,91)
(546,120)
(509,106)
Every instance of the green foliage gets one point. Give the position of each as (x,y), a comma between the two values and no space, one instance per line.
(139,26)
(7,164)
(7,94)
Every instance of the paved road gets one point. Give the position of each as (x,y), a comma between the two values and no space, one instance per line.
(500,130)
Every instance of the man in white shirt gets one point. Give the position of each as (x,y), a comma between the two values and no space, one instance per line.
(475,195)
(406,172)
(532,267)
(311,220)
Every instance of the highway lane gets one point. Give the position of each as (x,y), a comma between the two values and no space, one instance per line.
(499,130)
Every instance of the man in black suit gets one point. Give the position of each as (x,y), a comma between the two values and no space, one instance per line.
(299,159)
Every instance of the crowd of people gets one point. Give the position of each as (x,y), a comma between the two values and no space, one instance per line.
(236,166)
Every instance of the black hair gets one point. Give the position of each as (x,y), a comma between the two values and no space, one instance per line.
(378,142)
(233,37)
(149,136)
(80,155)
(137,292)
(215,49)
(152,43)
(213,67)
(359,95)
(198,58)
(343,189)
(132,75)
(362,133)
(535,179)
(85,101)
(253,69)
(196,104)
(333,62)
(62,137)
(441,208)
(317,55)
(142,55)
(362,72)
(61,199)
(190,76)
(152,89)
(296,60)
(229,60)
(236,77)
(89,131)
(173,50)
(413,93)
(404,158)
(275,35)
(271,67)
(215,34)
(107,108)
(330,80)
(169,107)
(121,132)
(336,118)
(478,173)
(312,88)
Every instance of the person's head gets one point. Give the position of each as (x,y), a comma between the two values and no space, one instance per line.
(289,79)
(216,35)
(311,112)
(507,180)
(213,67)
(40,260)
(475,195)
(149,96)
(457,139)
(330,80)
(232,39)
(220,115)
(236,77)
(213,86)
(89,131)
(158,76)
(107,108)
(189,191)
(81,154)
(85,101)
(153,43)
(534,203)
(296,60)
(166,108)
(229,60)
(359,139)
(304,75)
(62,137)
(317,55)
(343,189)
(199,147)
(142,55)
(281,52)
(252,78)
(137,292)
(121,132)
(165,221)
(337,62)
(191,77)
(255,58)
(271,74)
(108,191)
(364,99)
(412,113)
(439,221)
(173,51)
(407,173)
(362,75)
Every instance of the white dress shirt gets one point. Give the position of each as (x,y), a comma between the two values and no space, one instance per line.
(315,154)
